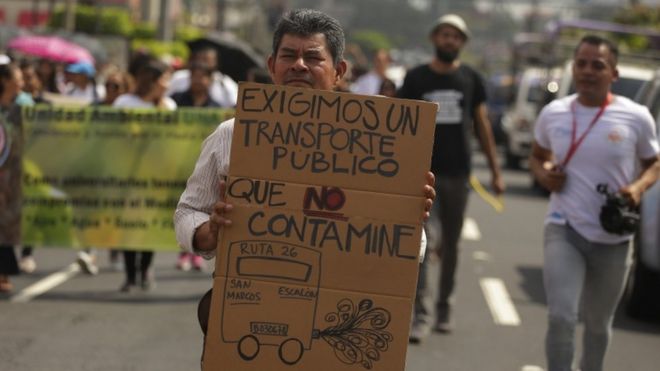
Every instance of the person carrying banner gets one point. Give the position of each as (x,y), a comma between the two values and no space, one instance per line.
(151,81)
(459,91)
(11,96)
(583,143)
(307,52)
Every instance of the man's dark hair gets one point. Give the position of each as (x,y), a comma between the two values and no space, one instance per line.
(307,22)
(598,41)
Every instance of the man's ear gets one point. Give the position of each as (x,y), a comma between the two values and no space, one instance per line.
(270,61)
(340,70)
(616,74)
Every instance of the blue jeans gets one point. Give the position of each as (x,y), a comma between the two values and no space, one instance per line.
(576,272)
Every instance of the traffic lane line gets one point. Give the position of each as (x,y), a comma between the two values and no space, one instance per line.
(470,230)
(46,284)
(499,302)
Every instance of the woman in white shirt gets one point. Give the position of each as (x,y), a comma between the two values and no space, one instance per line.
(151,81)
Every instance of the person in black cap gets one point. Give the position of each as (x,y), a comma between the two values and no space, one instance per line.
(459,91)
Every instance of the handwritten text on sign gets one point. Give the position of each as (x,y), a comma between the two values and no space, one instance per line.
(341,139)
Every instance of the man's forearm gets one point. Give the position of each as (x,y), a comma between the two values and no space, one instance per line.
(649,175)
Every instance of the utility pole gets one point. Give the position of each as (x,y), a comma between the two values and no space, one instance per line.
(220,7)
(70,15)
(165,30)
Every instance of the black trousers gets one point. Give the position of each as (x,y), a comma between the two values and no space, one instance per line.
(130,260)
(8,262)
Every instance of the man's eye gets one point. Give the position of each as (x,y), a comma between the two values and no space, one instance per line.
(581,64)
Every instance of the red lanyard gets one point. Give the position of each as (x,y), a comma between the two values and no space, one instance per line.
(575,144)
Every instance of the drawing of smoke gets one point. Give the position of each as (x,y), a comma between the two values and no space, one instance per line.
(358,333)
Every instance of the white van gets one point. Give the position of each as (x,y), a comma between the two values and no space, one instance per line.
(643,301)
(535,86)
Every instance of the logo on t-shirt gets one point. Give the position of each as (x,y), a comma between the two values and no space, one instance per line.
(449,106)
(615,136)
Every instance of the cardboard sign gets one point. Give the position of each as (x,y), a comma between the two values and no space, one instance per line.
(318,270)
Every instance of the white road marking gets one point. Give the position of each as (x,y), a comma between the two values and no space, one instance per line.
(481,256)
(531,368)
(501,307)
(46,284)
(470,230)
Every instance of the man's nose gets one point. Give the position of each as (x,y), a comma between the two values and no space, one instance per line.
(299,64)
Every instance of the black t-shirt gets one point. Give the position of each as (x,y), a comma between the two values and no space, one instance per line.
(458,95)
(185,99)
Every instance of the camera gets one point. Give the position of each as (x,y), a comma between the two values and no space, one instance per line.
(617,215)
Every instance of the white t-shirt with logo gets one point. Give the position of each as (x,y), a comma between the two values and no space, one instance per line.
(609,154)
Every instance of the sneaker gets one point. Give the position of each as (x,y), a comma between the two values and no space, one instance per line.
(443,323)
(183,262)
(128,287)
(198,262)
(148,281)
(27,264)
(418,333)
(148,284)
(87,263)
(445,327)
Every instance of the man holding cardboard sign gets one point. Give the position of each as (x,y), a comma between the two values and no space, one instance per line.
(324,192)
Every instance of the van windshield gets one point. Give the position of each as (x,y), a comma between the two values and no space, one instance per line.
(627,87)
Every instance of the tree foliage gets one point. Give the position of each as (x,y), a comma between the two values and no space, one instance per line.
(110,21)
(640,16)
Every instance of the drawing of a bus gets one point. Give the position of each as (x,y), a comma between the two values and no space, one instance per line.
(270,298)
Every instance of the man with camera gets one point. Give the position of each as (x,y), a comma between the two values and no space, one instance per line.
(584,144)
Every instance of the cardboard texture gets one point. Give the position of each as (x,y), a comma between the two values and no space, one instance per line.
(318,270)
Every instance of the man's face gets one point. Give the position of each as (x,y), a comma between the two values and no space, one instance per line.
(199,81)
(448,41)
(593,70)
(305,62)
(207,57)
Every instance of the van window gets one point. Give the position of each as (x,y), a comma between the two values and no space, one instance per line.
(627,87)
(536,92)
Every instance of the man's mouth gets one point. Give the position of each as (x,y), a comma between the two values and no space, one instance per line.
(298,82)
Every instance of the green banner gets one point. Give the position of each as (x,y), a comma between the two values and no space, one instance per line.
(107,177)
